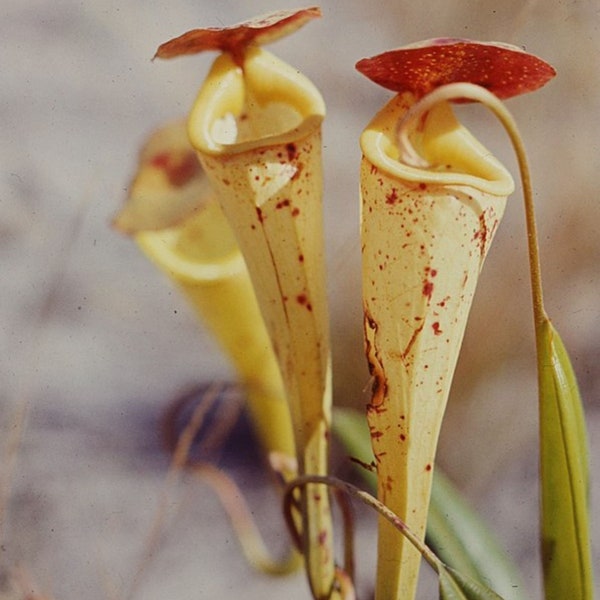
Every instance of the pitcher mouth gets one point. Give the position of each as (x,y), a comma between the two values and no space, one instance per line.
(454,156)
(261,103)
(201,249)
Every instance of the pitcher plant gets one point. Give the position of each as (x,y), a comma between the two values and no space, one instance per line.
(229,205)
(256,127)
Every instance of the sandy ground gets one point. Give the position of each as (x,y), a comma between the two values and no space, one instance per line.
(95,343)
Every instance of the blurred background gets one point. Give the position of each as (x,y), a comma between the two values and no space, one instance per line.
(95,343)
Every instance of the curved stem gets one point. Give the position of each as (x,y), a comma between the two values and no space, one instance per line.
(244,525)
(469,91)
(292,509)
(179,436)
(365,498)
(226,490)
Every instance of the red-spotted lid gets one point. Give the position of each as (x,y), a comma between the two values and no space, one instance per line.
(235,39)
(503,69)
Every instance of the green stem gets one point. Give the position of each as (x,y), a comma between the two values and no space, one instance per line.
(365,498)
(469,91)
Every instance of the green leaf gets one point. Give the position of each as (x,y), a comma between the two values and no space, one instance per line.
(566,549)
(461,538)
(456,533)
(456,586)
